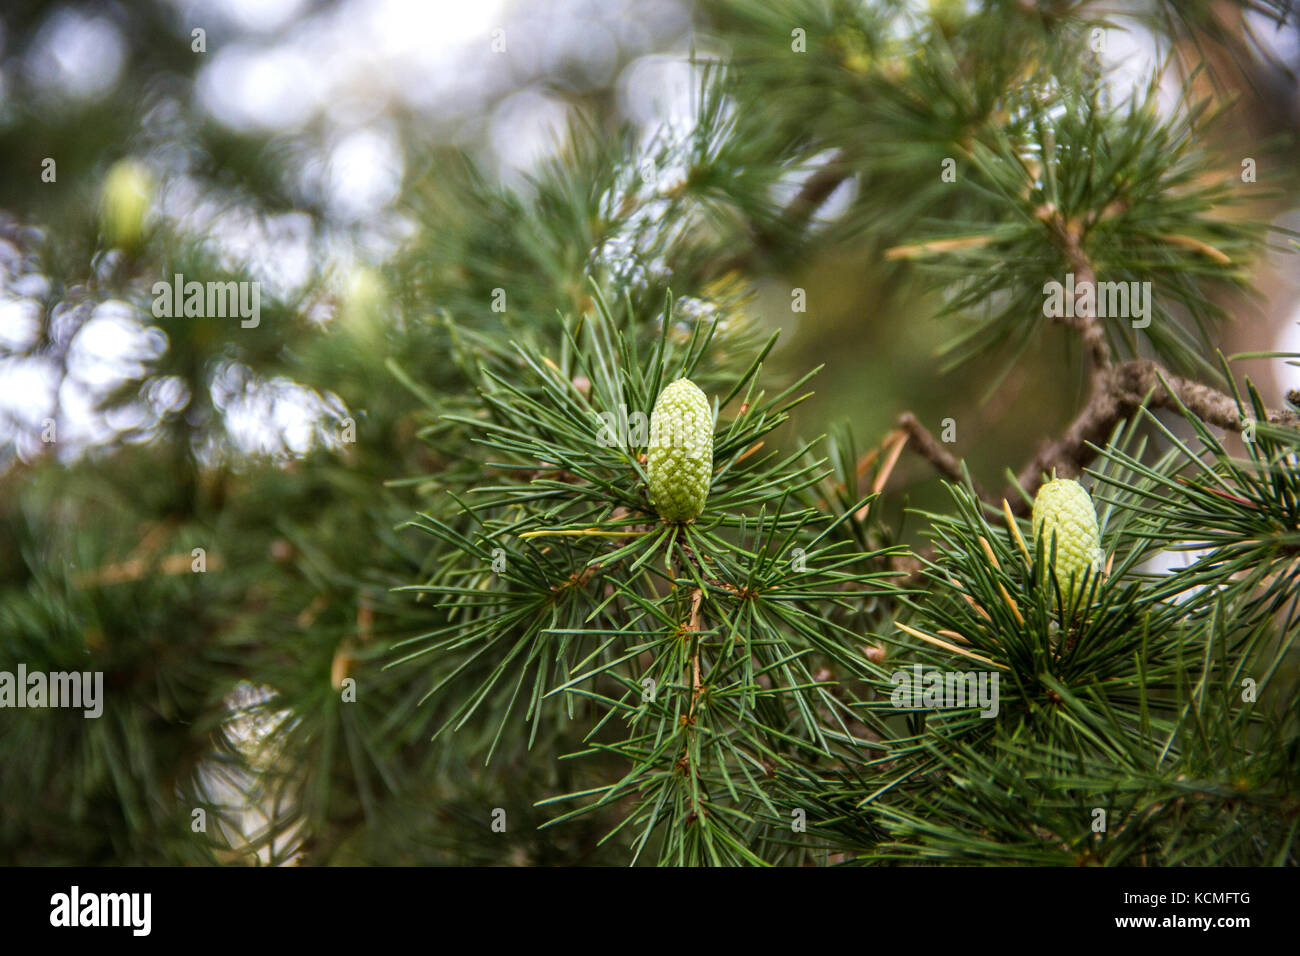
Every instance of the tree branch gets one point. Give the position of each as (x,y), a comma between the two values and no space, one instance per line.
(1069,238)
(932,450)
(794,219)
(1115,394)
(1118,392)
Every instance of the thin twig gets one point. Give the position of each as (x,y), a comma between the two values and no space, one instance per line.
(931,449)
(1116,396)
(1069,237)
(1117,393)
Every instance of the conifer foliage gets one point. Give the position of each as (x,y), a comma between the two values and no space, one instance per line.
(578,565)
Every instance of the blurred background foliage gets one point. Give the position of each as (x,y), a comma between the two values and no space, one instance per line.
(382,168)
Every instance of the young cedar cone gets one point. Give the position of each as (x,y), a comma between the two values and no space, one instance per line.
(124,202)
(680,456)
(1064,507)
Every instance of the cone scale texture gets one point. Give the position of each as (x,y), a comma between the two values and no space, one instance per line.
(680,457)
(1063,507)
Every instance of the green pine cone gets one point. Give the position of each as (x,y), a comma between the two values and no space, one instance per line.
(680,457)
(1064,507)
(124,202)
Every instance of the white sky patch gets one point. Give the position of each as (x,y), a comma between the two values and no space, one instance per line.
(1288,340)
(1175,562)
(1281,40)
(272,66)
(33,284)
(112,346)
(260,15)
(349,63)
(271,417)
(247,88)
(276,250)
(253,726)
(412,29)
(832,207)
(1283,261)
(20,322)
(1130,55)
(77,55)
(26,391)
(81,424)
(592,45)
(167,393)
(835,205)
(527,128)
(363,54)
(365,173)
(659,89)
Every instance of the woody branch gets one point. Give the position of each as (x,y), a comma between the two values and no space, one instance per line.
(1116,392)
